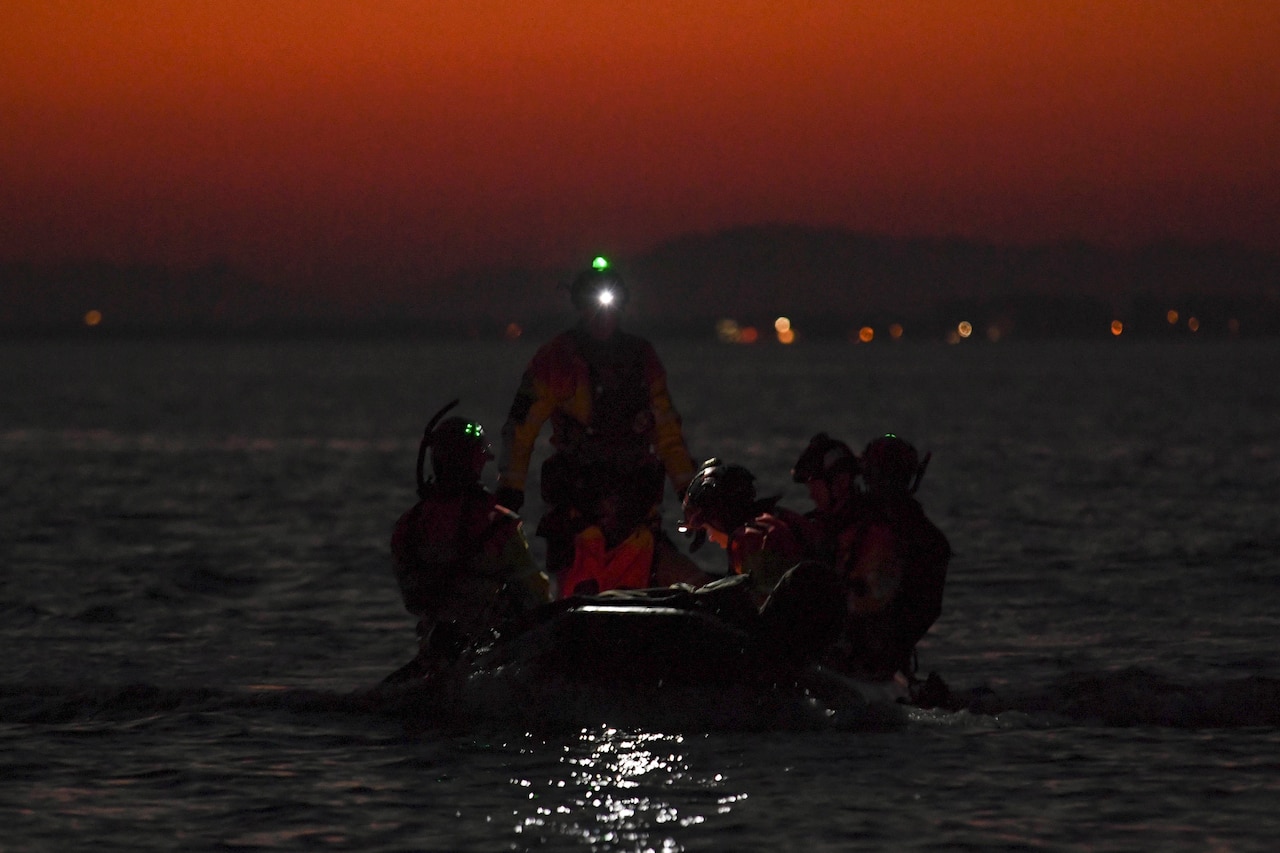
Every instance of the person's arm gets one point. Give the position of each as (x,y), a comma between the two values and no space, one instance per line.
(534,402)
(531,582)
(668,429)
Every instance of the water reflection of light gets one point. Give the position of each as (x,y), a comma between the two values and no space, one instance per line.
(618,781)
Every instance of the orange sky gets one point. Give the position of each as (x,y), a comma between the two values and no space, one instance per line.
(303,139)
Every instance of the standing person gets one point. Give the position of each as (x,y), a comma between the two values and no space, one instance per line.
(615,433)
(461,561)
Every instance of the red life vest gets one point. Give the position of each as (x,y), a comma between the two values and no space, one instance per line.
(447,554)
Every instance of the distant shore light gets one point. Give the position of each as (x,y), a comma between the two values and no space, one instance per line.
(964,328)
(1172,317)
(1193,324)
(92,317)
(728,331)
(895,331)
(786,334)
(513,331)
(866,334)
(1117,328)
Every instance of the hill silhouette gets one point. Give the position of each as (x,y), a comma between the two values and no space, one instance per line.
(828,279)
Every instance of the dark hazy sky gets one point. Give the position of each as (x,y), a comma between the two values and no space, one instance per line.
(311,140)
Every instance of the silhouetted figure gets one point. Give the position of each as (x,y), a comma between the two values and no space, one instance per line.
(775,565)
(461,561)
(615,433)
(893,563)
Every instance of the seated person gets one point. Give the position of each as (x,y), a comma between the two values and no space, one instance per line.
(461,561)
(829,469)
(775,551)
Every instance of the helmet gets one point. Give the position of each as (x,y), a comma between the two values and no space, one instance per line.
(719,496)
(890,464)
(824,458)
(459,450)
(598,286)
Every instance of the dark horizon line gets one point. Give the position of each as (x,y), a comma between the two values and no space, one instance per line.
(219,263)
(826,280)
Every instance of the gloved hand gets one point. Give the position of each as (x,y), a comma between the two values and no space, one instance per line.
(510,498)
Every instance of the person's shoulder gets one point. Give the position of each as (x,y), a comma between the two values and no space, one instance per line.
(640,344)
(746,540)
(786,515)
(565,341)
(753,533)
(560,350)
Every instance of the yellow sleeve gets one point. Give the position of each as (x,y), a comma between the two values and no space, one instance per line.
(668,429)
(518,563)
(533,404)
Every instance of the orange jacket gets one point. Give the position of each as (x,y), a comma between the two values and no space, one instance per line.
(627,565)
(598,397)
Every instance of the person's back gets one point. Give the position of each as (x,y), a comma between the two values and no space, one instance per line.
(460,558)
(898,566)
(461,561)
(925,554)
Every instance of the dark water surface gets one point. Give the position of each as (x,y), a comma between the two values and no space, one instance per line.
(196,603)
